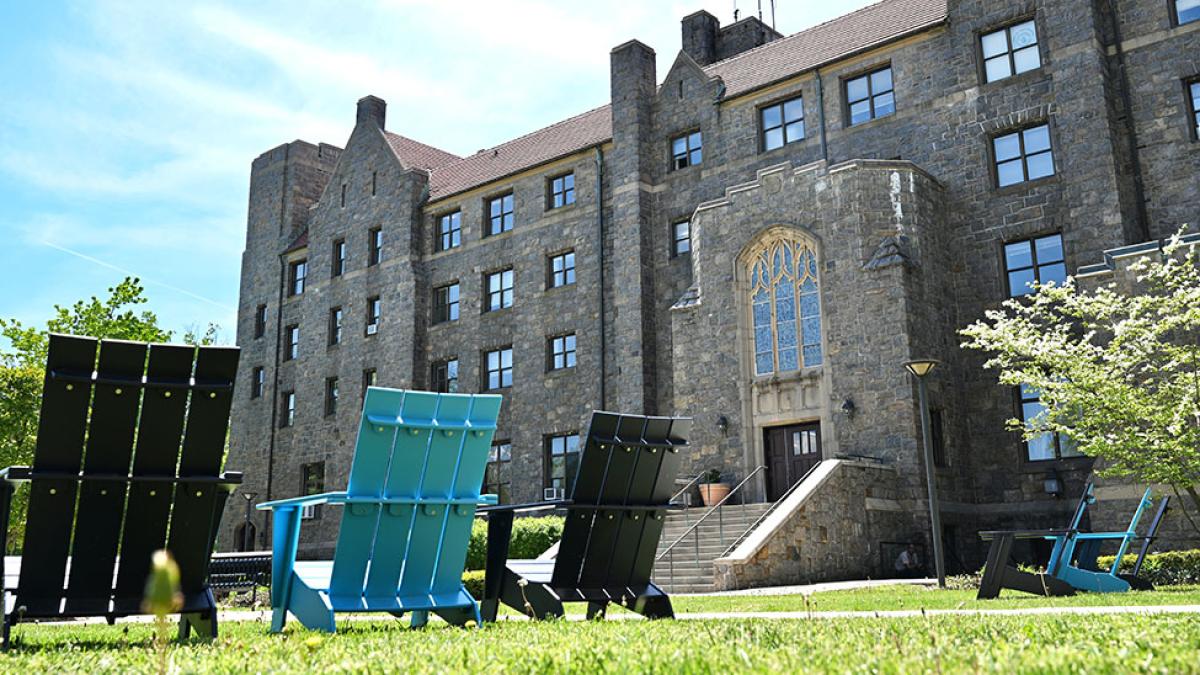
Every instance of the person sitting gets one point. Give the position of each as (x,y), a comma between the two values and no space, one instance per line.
(908,564)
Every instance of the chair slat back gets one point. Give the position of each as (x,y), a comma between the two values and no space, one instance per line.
(628,461)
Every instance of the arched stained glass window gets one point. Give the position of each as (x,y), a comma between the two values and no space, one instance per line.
(786,308)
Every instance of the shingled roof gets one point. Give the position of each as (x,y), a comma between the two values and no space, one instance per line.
(780,59)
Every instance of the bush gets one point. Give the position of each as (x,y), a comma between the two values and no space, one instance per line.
(1162,569)
(473,580)
(530,538)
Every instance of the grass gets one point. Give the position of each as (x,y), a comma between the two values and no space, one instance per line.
(1008,644)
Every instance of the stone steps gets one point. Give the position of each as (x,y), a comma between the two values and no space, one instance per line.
(692,573)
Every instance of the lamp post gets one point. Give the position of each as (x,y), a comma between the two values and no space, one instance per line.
(246,538)
(920,369)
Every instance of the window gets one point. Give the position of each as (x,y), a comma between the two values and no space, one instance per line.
(260,321)
(499,290)
(1023,155)
(375,242)
(681,237)
(292,349)
(500,214)
(782,123)
(331,396)
(312,482)
(374,311)
(343,203)
(1010,51)
(297,271)
(783,281)
(1186,11)
(562,191)
(562,352)
(870,96)
(1194,95)
(445,376)
(339,259)
(686,150)
(562,462)
(445,303)
(287,415)
(497,478)
(368,380)
(1037,260)
(937,438)
(1049,445)
(258,380)
(499,368)
(449,231)
(335,326)
(562,269)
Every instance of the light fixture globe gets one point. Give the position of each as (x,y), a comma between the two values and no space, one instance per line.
(921,367)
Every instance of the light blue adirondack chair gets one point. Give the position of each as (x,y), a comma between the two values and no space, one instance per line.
(408,508)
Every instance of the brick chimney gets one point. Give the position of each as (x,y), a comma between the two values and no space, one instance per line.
(372,110)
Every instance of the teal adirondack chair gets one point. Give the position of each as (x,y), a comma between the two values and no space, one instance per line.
(408,508)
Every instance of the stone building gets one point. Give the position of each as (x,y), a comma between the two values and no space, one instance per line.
(758,238)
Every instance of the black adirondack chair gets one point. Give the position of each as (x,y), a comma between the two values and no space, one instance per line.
(614,520)
(128,461)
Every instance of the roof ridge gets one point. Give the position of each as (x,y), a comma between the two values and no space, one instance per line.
(535,131)
(776,43)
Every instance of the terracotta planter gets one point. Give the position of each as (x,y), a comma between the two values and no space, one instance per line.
(713,493)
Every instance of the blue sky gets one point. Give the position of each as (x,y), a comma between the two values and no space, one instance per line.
(127,128)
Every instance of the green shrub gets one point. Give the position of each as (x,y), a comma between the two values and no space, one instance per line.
(473,580)
(530,538)
(1169,568)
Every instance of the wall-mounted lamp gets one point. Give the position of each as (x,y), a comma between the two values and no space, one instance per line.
(723,424)
(848,407)
(1053,484)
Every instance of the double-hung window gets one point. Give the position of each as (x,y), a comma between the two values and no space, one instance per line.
(499,364)
(287,415)
(445,303)
(499,290)
(782,123)
(331,396)
(500,214)
(338,267)
(374,311)
(375,243)
(562,191)
(562,269)
(260,321)
(258,381)
(1023,155)
(681,237)
(312,482)
(297,272)
(1010,51)
(1046,446)
(562,352)
(562,462)
(1039,260)
(445,376)
(449,231)
(870,96)
(335,326)
(497,479)
(687,150)
(292,349)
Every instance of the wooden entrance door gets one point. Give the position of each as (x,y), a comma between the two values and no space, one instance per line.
(790,452)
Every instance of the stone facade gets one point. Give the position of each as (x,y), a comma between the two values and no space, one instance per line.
(903,211)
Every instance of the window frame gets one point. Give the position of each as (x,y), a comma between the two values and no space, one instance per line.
(337,266)
(305,491)
(569,354)
(871,94)
(488,293)
(374,315)
(258,381)
(291,346)
(499,463)
(489,219)
(448,239)
(1006,26)
(336,326)
(1035,264)
(487,368)
(331,395)
(676,240)
(548,455)
(1023,156)
(567,193)
(374,246)
(1020,399)
(452,308)
(439,375)
(260,321)
(686,137)
(1175,22)
(297,277)
(287,416)
(369,376)
(1192,103)
(564,272)
(783,123)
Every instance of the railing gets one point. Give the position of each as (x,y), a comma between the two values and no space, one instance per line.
(742,537)
(669,551)
(687,503)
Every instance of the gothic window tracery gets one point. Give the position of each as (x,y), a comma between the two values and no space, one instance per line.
(786,308)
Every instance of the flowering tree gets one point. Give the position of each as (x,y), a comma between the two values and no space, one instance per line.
(1118,371)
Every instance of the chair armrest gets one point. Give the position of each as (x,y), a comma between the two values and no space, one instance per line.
(307,500)
(532,506)
(13,474)
(233,477)
(489,500)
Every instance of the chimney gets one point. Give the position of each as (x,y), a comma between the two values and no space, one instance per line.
(700,31)
(372,110)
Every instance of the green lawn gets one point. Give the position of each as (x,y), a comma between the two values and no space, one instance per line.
(1039,644)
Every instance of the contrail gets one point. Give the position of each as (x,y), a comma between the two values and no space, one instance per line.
(122,270)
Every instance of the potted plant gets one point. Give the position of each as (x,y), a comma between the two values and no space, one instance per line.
(712,490)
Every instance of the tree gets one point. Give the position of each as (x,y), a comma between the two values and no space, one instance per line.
(22,369)
(1117,370)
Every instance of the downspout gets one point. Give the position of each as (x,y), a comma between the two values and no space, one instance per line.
(1139,189)
(821,115)
(600,255)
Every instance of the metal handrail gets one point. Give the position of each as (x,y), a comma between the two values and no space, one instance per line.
(716,508)
(688,486)
(742,537)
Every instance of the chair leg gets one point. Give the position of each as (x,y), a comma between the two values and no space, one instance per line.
(419,618)
(7,631)
(595,609)
(654,604)
(204,623)
(278,619)
(488,609)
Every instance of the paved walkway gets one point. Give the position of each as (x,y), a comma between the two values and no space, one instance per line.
(809,589)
